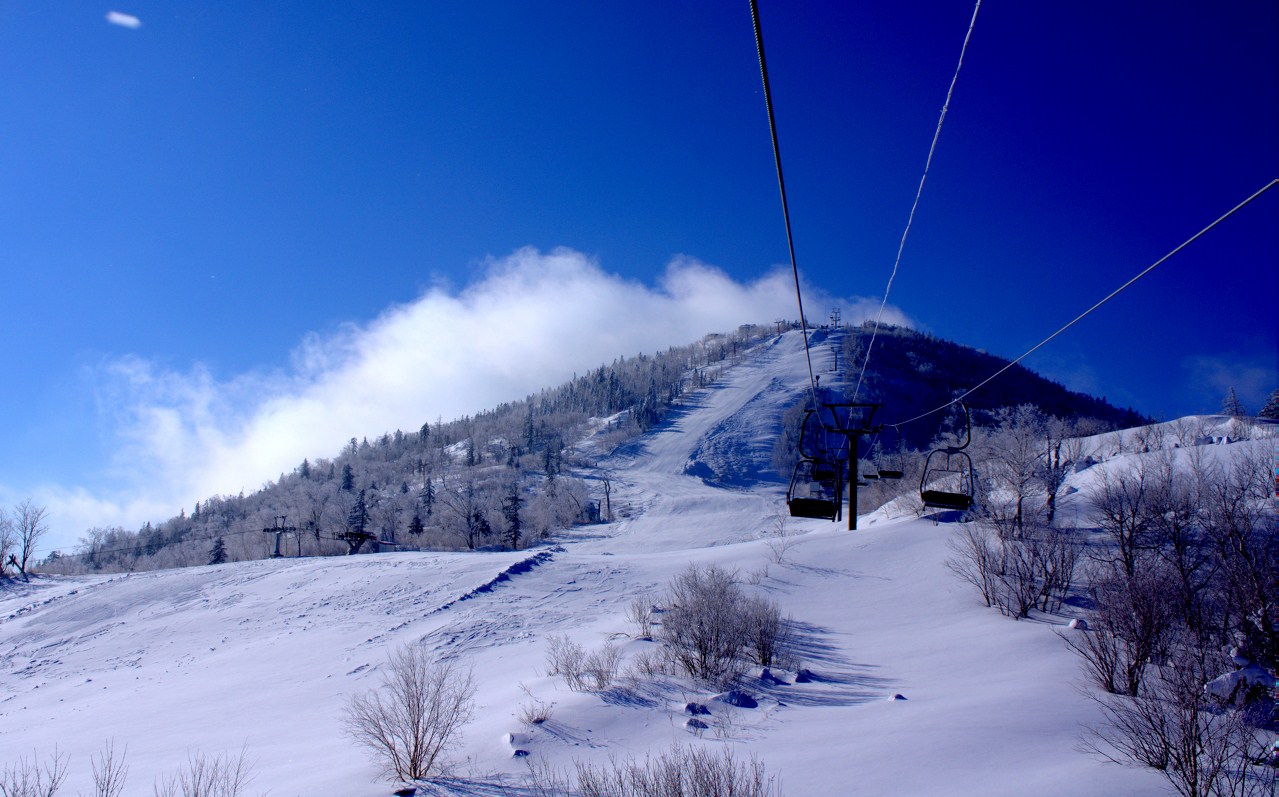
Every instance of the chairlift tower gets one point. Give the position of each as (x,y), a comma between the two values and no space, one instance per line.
(279,529)
(852,420)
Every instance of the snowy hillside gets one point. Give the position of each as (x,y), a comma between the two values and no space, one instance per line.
(264,654)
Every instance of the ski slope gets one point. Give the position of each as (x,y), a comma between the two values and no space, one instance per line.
(263,655)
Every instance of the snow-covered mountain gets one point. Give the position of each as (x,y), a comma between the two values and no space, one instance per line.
(263,655)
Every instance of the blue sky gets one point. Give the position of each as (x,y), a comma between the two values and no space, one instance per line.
(238,218)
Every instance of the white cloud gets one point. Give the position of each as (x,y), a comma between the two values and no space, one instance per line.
(124,20)
(531,321)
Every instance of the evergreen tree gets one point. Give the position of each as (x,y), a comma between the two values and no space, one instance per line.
(1271,410)
(426,497)
(511,512)
(416,526)
(305,469)
(358,518)
(1232,406)
(478,525)
(348,477)
(217,554)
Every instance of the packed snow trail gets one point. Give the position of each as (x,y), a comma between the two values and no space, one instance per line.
(712,458)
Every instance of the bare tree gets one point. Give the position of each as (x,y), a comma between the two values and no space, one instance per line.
(28,778)
(109,771)
(1126,517)
(412,721)
(1242,529)
(1180,533)
(29,525)
(976,559)
(1014,453)
(1128,627)
(7,541)
(1063,448)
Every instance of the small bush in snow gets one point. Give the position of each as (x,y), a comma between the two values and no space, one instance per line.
(601,666)
(413,719)
(582,671)
(208,776)
(647,664)
(641,614)
(679,772)
(566,658)
(536,711)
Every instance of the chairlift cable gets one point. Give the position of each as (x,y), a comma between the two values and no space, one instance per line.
(1107,298)
(781,185)
(910,219)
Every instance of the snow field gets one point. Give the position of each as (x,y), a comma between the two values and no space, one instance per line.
(265,654)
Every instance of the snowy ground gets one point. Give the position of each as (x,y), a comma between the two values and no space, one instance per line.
(264,654)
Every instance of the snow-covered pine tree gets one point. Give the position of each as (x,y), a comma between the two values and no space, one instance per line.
(1271,410)
(217,554)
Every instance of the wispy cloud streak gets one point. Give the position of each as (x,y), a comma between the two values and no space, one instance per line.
(124,20)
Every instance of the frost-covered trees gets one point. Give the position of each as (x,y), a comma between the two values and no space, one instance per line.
(1192,572)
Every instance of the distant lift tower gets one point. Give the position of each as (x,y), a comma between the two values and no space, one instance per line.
(279,529)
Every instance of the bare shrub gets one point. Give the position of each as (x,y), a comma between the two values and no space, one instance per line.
(704,625)
(647,664)
(640,613)
(976,560)
(109,771)
(1018,574)
(678,772)
(535,712)
(767,632)
(1204,749)
(28,778)
(1129,626)
(223,775)
(711,628)
(600,667)
(1056,560)
(779,539)
(1014,574)
(566,658)
(544,780)
(411,722)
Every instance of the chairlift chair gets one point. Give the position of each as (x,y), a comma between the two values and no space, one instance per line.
(897,465)
(812,496)
(953,468)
